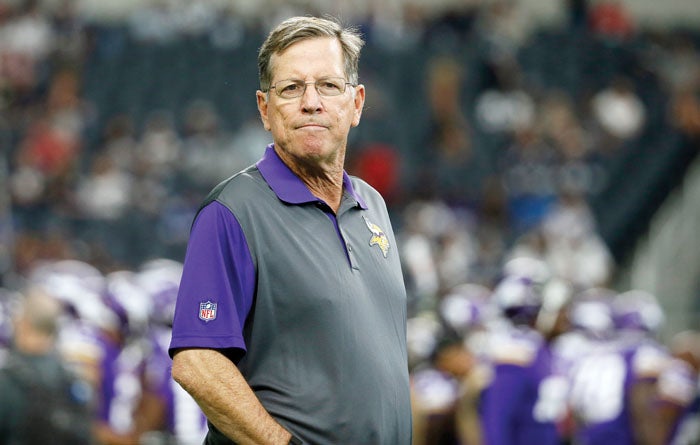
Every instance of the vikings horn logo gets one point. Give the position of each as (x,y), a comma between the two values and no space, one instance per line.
(379,238)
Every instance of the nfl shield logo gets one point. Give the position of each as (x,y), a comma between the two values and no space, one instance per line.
(207,311)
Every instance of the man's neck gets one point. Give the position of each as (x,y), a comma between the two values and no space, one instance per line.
(324,180)
(330,190)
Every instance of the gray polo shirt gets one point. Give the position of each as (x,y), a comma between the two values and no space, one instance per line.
(313,303)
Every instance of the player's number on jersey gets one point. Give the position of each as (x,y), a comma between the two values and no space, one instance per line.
(551,399)
(597,393)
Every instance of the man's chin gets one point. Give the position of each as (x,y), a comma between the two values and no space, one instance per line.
(314,150)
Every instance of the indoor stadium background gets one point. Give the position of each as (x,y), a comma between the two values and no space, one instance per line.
(484,119)
(78,76)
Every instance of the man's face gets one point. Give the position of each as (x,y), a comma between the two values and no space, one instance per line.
(311,128)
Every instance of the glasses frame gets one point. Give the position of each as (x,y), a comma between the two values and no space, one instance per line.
(315,83)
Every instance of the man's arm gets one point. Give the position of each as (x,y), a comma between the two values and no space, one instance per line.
(643,422)
(225,397)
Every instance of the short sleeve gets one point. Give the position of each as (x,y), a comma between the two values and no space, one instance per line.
(217,285)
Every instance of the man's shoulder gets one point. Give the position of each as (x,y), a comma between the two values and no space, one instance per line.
(242,185)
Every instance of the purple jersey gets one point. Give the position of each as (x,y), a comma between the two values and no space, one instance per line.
(601,382)
(119,387)
(185,421)
(525,400)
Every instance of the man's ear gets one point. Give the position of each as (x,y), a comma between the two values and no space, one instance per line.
(262,108)
(359,104)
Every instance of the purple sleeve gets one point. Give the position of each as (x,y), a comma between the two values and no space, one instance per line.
(217,285)
(500,404)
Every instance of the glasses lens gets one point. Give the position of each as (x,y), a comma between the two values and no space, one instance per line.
(290,89)
(330,86)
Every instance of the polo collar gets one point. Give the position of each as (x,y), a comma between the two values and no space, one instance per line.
(289,187)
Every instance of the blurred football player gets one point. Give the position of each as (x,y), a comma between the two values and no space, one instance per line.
(613,382)
(524,400)
(677,403)
(166,413)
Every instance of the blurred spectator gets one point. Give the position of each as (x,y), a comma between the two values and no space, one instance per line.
(491,231)
(505,106)
(158,152)
(676,61)
(229,28)
(105,193)
(393,25)
(438,251)
(574,250)
(153,22)
(504,27)
(70,33)
(208,151)
(47,158)
(48,153)
(380,165)
(568,242)
(42,402)
(64,105)
(452,25)
(49,147)
(610,19)
(159,146)
(119,141)
(247,139)
(452,168)
(444,85)
(26,39)
(528,170)
(619,112)
(685,113)
(31,247)
(561,126)
(579,168)
(424,221)
(194,17)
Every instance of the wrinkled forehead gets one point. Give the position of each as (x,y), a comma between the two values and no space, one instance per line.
(317,56)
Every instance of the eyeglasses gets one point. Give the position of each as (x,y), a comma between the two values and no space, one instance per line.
(326,87)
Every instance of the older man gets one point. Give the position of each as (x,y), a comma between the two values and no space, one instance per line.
(291,317)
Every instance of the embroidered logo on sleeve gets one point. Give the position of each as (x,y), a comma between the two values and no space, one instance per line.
(378,238)
(207,311)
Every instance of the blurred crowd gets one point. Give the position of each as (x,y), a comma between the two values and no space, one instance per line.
(538,359)
(112,332)
(489,185)
(487,129)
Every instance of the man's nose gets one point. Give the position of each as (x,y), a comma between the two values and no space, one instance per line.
(311,100)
